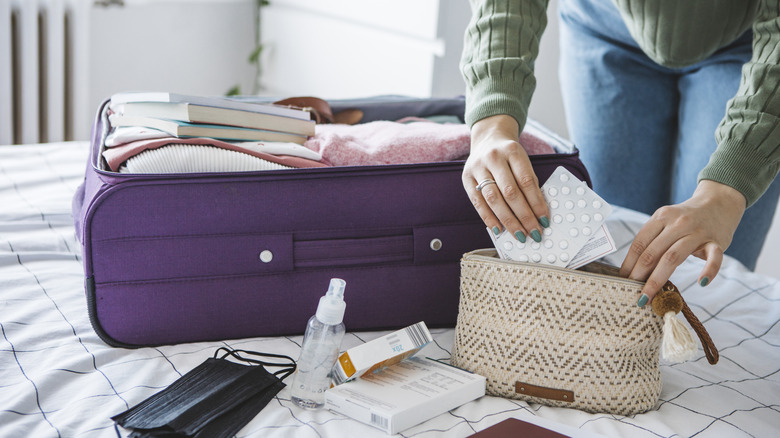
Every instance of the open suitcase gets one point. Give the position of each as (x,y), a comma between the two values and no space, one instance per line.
(195,257)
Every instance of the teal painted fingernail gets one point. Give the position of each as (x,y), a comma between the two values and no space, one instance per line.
(536,235)
(704,281)
(544,221)
(520,236)
(496,230)
(642,300)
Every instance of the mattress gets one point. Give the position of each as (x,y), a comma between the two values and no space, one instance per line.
(58,379)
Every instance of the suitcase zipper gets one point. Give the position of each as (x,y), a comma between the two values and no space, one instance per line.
(483,255)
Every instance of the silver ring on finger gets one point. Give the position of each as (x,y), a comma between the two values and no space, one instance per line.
(482,184)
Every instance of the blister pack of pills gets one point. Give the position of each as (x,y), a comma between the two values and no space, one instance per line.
(577,233)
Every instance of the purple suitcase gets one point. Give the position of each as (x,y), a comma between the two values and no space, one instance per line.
(176,258)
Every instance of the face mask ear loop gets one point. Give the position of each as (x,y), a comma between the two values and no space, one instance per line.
(238,355)
(287,372)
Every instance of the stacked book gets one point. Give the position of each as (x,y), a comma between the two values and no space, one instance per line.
(220,118)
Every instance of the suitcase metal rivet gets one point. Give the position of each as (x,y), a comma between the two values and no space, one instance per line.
(436,244)
(266,256)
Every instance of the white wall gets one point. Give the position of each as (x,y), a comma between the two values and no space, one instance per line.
(190,47)
(352,48)
(546,103)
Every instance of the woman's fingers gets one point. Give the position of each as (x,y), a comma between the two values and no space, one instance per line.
(527,202)
(515,201)
(713,254)
(670,257)
(511,197)
(696,227)
(480,203)
(653,256)
(510,202)
(638,249)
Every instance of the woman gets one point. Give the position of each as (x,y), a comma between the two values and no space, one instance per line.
(645,85)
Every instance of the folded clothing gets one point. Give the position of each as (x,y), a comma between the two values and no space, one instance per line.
(409,140)
(118,155)
(126,134)
(188,158)
(402,142)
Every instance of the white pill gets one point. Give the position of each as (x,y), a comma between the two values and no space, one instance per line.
(586,231)
(550,258)
(565,190)
(536,258)
(569,205)
(563,244)
(573,232)
(580,190)
(554,204)
(522,258)
(536,245)
(520,245)
(552,191)
(548,243)
(598,217)
(564,177)
(547,231)
(557,218)
(585,218)
(508,245)
(581,203)
(570,217)
(596,204)
(564,257)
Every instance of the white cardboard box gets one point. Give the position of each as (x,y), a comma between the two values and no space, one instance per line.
(405,394)
(381,352)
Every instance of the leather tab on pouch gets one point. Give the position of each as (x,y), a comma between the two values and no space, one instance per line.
(543,392)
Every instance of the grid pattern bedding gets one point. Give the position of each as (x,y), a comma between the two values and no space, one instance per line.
(58,379)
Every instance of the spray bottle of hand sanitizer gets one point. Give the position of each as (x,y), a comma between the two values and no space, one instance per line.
(320,348)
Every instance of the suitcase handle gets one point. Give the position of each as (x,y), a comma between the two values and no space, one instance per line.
(418,245)
(351,252)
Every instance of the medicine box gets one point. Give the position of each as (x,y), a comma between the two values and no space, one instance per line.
(381,352)
(405,394)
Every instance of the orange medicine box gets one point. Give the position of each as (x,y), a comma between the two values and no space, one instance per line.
(381,352)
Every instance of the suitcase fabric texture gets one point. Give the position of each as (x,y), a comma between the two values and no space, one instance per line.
(198,257)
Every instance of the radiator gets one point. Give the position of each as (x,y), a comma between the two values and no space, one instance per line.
(43,70)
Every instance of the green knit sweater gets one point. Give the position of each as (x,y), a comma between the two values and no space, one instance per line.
(502,42)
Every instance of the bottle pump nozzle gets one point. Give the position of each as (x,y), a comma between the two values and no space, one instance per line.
(331,308)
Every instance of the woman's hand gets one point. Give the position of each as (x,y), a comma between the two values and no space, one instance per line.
(703,226)
(515,200)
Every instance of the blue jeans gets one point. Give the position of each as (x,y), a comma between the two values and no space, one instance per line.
(645,131)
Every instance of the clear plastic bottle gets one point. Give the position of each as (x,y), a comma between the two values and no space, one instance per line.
(320,348)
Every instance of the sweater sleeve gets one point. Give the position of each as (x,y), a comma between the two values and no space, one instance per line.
(500,46)
(748,153)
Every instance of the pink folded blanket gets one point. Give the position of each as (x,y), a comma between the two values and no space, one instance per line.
(385,142)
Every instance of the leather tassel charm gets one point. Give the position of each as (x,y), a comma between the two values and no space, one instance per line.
(677,344)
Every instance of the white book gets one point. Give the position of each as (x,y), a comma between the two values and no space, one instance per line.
(211,115)
(181,129)
(221,102)
(405,394)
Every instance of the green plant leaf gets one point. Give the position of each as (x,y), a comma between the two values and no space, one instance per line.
(255,55)
(235,90)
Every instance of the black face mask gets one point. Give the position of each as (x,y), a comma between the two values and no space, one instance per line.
(216,399)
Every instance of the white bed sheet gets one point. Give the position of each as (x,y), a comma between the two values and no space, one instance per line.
(58,379)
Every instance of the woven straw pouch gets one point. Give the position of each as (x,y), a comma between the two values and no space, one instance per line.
(558,337)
